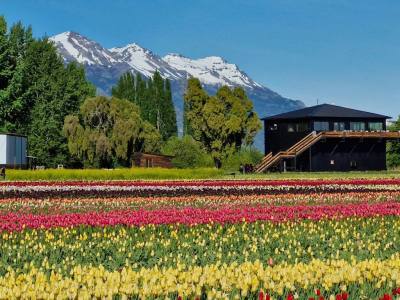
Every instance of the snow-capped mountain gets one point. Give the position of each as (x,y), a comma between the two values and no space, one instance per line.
(145,62)
(73,46)
(105,66)
(213,70)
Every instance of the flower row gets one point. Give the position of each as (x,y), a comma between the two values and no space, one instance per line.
(213,202)
(42,191)
(59,249)
(224,183)
(361,280)
(192,216)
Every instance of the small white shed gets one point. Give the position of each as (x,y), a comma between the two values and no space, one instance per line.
(13,151)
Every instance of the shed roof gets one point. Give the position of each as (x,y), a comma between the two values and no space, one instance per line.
(13,134)
(326,111)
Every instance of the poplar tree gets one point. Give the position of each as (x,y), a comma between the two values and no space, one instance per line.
(171,128)
(125,88)
(154,99)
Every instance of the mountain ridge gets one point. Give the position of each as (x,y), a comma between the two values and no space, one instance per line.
(105,66)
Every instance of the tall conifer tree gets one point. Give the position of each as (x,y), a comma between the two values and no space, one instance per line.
(154,98)
(171,128)
(125,88)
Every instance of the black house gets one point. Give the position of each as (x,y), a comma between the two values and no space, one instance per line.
(325,138)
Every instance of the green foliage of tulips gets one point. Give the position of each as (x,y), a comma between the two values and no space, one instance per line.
(61,249)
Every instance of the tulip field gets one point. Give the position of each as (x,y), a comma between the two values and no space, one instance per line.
(200,239)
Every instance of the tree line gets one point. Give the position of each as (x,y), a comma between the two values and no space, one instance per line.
(56,107)
(140,117)
(37,91)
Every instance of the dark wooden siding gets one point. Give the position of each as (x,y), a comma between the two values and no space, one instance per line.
(146,160)
(281,139)
(348,154)
(329,154)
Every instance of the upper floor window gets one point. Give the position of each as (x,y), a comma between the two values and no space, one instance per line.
(375,126)
(321,126)
(301,127)
(357,126)
(273,127)
(298,127)
(338,126)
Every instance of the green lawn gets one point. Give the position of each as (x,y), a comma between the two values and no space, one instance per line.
(162,174)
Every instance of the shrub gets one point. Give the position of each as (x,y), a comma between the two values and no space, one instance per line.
(246,156)
(187,153)
(393,148)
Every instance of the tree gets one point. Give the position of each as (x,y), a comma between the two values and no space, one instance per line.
(125,88)
(57,91)
(169,115)
(14,46)
(154,98)
(222,123)
(186,152)
(37,91)
(140,92)
(194,100)
(5,70)
(393,148)
(107,132)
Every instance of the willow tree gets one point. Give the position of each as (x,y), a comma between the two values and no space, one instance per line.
(107,132)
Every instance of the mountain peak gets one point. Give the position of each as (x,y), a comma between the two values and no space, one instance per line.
(213,70)
(215,59)
(76,47)
(129,47)
(174,55)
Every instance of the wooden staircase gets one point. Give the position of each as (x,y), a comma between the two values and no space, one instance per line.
(270,160)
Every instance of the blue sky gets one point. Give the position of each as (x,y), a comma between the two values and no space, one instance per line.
(345,52)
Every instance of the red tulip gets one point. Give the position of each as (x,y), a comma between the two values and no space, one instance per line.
(261,295)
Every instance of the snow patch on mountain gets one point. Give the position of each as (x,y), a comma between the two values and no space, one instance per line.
(75,47)
(145,62)
(213,70)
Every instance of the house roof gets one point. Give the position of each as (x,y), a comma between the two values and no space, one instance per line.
(326,111)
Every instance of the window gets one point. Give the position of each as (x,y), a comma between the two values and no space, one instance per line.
(321,126)
(357,126)
(301,127)
(273,127)
(375,126)
(297,127)
(338,126)
(291,127)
